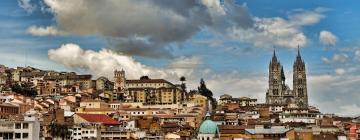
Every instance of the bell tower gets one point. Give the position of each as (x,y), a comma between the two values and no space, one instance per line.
(120,80)
(299,81)
(276,81)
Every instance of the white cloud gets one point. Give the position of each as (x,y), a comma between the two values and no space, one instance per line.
(332,92)
(104,62)
(352,110)
(357,55)
(277,31)
(26,5)
(327,38)
(337,58)
(340,71)
(44,31)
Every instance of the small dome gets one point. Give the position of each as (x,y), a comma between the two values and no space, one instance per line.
(208,127)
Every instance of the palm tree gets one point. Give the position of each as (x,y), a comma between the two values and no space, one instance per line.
(182,79)
(183,87)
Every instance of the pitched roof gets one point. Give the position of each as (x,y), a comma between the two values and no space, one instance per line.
(98,118)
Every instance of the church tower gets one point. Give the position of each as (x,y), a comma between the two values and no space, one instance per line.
(299,82)
(276,82)
(120,81)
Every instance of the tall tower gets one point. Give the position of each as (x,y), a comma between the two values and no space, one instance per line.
(276,82)
(120,81)
(299,81)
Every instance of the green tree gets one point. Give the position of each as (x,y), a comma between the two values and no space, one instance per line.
(203,90)
(183,87)
(59,131)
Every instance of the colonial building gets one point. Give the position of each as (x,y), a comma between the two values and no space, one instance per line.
(147,91)
(278,92)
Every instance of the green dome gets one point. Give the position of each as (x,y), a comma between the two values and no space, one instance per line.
(208,127)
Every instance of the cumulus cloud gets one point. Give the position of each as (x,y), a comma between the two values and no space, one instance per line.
(340,71)
(334,93)
(337,58)
(327,38)
(44,31)
(159,23)
(357,55)
(26,5)
(277,31)
(104,62)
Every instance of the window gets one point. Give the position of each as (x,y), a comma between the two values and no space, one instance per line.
(275,92)
(17,135)
(25,135)
(25,125)
(301,92)
(18,126)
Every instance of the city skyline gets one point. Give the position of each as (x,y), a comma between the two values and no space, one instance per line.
(230,46)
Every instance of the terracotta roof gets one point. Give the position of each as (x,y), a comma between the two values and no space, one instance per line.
(98,118)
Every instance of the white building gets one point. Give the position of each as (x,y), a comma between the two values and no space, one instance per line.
(28,129)
(85,131)
(299,115)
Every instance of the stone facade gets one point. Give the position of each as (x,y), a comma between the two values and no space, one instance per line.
(278,92)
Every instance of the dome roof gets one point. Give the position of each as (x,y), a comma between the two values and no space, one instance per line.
(208,127)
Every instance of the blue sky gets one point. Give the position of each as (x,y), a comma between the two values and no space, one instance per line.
(229,44)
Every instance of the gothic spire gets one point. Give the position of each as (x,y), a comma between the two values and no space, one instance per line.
(274,58)
(298,57)
(282,74)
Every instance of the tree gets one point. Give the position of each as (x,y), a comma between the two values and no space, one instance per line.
(182,79)
(203,90)
(24,89)
(183,87)
(59,130)
(145,77)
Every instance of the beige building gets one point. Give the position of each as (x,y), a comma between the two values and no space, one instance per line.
(94,107)
(200,100)
(102,83)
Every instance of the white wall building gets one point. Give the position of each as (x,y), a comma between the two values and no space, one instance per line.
(28,129)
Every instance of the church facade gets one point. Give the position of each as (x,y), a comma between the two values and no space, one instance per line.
(278,92)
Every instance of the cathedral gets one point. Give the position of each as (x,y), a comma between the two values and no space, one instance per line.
(280,93)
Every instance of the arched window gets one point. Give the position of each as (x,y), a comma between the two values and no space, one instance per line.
(301,92)
(275,92)
(202,138)
(207,138)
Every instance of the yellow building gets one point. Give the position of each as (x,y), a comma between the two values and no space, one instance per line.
(153,91)
(93,104)
(200,100)
(162,95)
(94,107)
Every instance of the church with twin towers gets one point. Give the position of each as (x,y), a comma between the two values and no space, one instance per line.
(280,93)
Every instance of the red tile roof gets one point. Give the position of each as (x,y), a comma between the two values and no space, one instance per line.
(98,118)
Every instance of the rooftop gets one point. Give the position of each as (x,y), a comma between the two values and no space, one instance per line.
(98,118)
